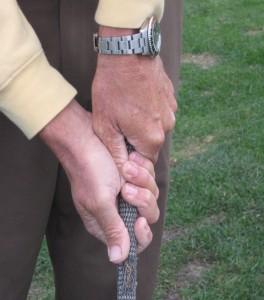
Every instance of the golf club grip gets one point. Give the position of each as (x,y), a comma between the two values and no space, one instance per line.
(127,271)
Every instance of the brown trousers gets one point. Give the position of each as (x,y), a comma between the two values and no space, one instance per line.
(35,197)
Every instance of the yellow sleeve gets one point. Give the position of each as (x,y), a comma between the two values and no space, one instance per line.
(32,93)
(127,13)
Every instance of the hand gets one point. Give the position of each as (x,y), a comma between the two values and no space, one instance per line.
(95,181)
(132,97)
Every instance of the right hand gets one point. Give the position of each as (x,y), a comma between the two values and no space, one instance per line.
(95,181)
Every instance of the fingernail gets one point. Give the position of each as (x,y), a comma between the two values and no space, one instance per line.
(137,158)
(148,237)
(131,190)
(132,170)
(114,253)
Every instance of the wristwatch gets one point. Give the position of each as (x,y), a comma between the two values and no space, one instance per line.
(146,42)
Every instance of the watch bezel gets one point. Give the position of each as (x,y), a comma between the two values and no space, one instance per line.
(153,29)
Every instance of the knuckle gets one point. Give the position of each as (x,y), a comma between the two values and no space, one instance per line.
(172,121)
(144,244)
(145,177)
(151,210)
(148,199)
(94,231)
(155,217)
(174,105)
(158,139)
(112,233)
(168,84)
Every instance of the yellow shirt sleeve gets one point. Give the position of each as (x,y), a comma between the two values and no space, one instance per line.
(127,13)
(32,93)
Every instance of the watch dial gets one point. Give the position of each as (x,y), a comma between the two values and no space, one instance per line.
(154,36)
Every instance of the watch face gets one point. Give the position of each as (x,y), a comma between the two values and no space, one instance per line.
(154,36)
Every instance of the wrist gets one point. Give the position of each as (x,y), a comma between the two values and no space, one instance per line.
(62,134)
(105,31)
(117,41)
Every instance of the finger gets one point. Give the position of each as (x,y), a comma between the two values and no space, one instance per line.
(143,234)
(139,176)
(144,200)
(143,162)
(150,140)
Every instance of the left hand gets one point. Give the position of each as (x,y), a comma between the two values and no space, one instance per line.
(132,97)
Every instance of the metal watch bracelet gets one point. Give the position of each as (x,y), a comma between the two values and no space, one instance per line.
(130,44)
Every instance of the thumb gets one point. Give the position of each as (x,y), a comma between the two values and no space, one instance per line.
(115,234)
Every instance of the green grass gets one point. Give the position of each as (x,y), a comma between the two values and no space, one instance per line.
(217,185)
(42,287)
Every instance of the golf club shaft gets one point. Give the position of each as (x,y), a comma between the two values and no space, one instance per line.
(127,271)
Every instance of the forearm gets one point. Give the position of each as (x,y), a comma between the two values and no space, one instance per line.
(67,134)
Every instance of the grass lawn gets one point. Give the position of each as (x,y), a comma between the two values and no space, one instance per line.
(214,241)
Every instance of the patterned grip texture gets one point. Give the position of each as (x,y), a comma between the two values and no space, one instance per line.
(127,271)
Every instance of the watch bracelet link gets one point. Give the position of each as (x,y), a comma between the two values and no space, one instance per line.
(130,44)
